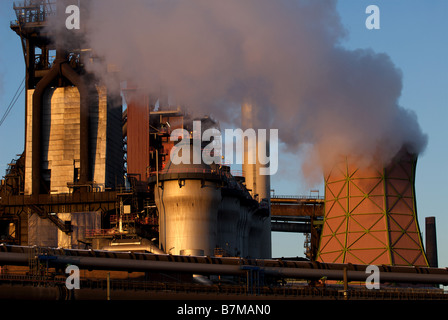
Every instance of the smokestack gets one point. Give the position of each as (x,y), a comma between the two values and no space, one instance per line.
(258,184)
(431,242)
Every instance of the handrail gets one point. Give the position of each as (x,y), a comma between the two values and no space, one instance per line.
(195,170)
(299,197)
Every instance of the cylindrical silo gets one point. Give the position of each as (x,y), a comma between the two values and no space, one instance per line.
(371,214)
(188,198)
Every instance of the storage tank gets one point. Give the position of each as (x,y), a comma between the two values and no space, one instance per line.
(371,214)
(188,198)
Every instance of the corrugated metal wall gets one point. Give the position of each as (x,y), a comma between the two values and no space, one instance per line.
(138,136)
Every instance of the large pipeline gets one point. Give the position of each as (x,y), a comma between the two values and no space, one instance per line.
(290,227)
(147,247)
(129,261)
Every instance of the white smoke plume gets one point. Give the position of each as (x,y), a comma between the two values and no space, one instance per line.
(286,55)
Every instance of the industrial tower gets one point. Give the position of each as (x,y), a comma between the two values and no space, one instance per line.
(73,138)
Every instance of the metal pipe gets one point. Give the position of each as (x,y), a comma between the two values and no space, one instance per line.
(103,260)
(203,265)
(134,247)
(291,227)
(198,278)
(36,123)
(354,275)
(108,286)
(345,277)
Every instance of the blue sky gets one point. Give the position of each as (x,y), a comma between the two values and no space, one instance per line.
(412,33)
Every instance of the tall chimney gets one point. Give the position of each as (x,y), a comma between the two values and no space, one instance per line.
(431,241)
(258,184)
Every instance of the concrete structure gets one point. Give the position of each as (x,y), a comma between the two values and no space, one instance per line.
(371,214)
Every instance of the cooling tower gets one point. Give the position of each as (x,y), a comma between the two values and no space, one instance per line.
(371,215)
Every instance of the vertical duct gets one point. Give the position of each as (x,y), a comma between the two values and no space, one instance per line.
(431,242)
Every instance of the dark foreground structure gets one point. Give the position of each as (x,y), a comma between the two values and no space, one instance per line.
(39,273)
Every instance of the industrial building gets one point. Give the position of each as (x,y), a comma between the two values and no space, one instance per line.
(95,187)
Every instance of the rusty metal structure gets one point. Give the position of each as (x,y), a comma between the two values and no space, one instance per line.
(299,214)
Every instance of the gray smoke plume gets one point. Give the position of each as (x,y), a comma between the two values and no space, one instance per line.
(285,55)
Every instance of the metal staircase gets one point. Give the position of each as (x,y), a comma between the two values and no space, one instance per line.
(64,226)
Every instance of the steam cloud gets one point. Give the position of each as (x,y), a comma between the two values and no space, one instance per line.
(285,55)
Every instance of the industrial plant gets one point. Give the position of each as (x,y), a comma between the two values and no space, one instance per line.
(95,187)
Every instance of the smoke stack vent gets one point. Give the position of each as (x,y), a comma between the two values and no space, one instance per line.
(431,241)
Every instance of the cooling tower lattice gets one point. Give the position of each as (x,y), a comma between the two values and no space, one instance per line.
(371,216)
